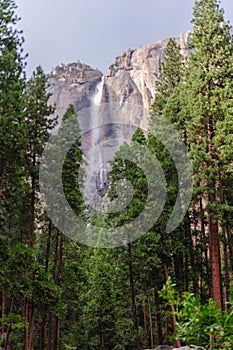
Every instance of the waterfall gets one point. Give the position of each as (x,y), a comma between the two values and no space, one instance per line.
(95,171)
(96,136)
(99,93)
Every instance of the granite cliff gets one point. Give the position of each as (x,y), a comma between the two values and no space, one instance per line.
(75,84)
(131,78)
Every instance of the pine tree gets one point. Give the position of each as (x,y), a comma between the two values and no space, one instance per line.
(208,100)
(71,178)
(168,93)
(40,122)
(12,127)
(12,130)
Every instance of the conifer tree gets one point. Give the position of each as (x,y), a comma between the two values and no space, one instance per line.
(208,100)
(12,127)
(40,122)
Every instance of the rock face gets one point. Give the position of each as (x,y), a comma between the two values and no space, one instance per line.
(131,78)
(75,84)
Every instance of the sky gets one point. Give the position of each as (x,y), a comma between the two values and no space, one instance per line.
(97,31)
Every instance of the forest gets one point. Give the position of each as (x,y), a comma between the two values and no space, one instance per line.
(164,288)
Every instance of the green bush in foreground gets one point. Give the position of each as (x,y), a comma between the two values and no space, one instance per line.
(204,326)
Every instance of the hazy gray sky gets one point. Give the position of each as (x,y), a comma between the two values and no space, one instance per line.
(96,31)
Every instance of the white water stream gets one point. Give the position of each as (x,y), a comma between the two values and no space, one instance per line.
(96,134)
(99,93)
(95,170)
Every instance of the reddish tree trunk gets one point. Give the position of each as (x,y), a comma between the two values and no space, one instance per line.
(215,262)
(26,332)
(213,225)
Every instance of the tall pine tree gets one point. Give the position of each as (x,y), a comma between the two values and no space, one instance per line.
(208,99)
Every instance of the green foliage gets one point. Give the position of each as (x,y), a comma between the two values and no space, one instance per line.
(72,172)
(203,325)
(168,100)
(38,115)
(208,91)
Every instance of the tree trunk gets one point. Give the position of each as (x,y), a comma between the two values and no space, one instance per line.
(167,330)
(31,326)
(230,244)
(33,194)
(205,252)
(132,294)
(226,306)
(42,332)
(158,317)
(151,323)
(48,246)
(44,316)
(215,262)
(145,321)
(213,226)
(26,332)
(188,234)
(3,161)
(9,327)
(50,343)
(3,311)
(101,335)
(56,333)
(58,272)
